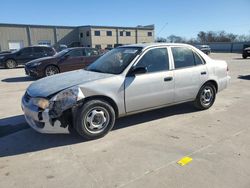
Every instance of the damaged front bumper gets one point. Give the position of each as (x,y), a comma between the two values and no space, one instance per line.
(57,117)
(40,120)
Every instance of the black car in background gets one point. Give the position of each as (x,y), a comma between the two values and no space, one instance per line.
(246,51)
(24,55)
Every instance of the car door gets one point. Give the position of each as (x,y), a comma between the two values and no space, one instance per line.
(24,55)
(155,87)
(72,60)
(188,75)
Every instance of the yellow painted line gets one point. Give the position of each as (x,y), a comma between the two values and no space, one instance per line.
(184,161)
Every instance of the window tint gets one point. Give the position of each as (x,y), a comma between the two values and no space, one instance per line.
(75,53)
(155,60)
(38,50)
(198,60)
(26,51)
(183,57)
(47,50)
(109,33)
(97,33)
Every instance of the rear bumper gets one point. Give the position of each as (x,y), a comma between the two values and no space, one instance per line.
(224,83)
(40,121)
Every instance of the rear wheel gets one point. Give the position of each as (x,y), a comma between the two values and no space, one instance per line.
(95,119)
(244,56)
(51,70)
(10,64)
(206,97)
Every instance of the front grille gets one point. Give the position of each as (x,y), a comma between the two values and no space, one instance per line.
(26,97)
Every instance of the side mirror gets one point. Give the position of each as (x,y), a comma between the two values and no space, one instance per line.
(137,70)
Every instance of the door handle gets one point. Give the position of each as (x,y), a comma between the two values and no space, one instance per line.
(168,79)
(203,73)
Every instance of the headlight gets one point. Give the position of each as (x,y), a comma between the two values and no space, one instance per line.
(2,57)
(41,102)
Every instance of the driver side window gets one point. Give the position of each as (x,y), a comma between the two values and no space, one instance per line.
(155,60)
(75,53)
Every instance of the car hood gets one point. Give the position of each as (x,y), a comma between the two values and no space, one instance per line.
(53,84)
(39,60)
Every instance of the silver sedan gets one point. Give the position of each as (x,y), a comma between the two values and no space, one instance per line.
(126,80)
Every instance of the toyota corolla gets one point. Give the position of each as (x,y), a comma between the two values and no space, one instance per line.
(126,80)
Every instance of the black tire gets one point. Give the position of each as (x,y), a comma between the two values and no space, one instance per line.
(94,110)
(244,56)
(10,64)
(51,70)
(206,97)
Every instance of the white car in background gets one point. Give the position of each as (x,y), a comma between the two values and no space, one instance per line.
(126,80)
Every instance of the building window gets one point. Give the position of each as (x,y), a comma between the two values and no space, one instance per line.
(150,34)
(87,33)
(121,33)
(81,35)
(109,33)
(88,45)
(128,33)
(97,33)
(109,46)
(98,46)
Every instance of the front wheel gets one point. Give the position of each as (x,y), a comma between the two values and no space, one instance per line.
(206,97)
(51,70)
(95,119)
(244,56)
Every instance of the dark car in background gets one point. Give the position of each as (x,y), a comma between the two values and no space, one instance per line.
(246,51)
(66,60)
(204,48)
(24,55)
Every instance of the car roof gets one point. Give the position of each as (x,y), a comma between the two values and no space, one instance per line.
(149,45)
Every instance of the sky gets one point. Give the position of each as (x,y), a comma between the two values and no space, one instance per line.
(179,17)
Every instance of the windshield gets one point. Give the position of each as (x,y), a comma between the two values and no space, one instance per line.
(114,61)
(61,53)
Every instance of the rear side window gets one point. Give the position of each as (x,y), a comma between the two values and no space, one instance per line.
(91,52)
(48,50)
(38,50)
(183,57)
(155,60)
(198,60)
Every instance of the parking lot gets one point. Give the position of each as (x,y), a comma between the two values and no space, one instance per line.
(141,151)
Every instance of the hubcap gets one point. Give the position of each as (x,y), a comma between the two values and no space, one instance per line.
(51,71)
(11,63)
(207,96)
(96,120)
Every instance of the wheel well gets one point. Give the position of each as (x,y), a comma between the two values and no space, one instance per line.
(10,59)
(52,65)
(214,83)
(107,99)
